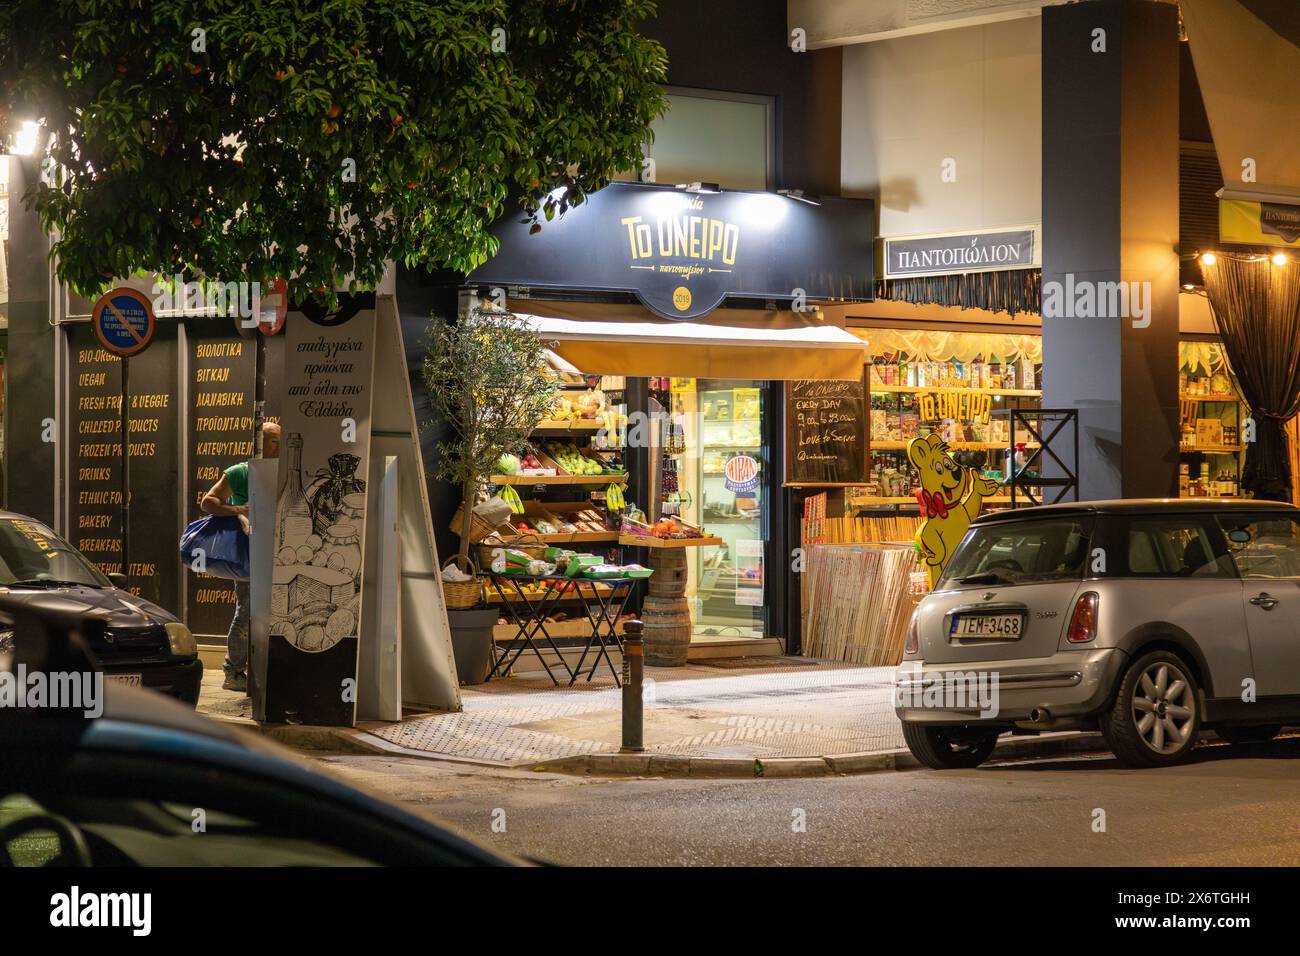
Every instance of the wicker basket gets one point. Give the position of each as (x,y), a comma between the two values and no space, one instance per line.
(529,544)
(478,528)
(459,595)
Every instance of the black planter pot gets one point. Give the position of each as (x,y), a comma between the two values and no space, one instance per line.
(471,642)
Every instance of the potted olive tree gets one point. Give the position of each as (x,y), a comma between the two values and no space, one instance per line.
(488,379)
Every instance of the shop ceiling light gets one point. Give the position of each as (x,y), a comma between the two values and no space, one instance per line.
(799,195)
(1280,259)
(1207,259)
(700,187)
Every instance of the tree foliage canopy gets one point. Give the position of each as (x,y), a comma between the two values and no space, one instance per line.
(489,380)
(217,138)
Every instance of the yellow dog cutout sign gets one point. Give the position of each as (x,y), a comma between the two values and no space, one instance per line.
(950,497)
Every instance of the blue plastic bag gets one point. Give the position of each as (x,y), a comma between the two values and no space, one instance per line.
(223,545)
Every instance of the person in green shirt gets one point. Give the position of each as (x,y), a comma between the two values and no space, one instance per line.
(229,496)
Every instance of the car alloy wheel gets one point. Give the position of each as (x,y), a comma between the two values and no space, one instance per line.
(1164,708)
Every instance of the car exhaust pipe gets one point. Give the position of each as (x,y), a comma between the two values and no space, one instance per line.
(1040,715)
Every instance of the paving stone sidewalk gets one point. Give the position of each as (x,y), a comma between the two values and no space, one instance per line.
(808,719)
(694,711)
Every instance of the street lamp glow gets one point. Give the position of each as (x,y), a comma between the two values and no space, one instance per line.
(25,139)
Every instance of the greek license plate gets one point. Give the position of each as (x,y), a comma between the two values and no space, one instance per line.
(1005,627)
(130,680)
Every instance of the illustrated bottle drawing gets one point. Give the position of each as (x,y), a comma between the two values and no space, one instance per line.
(293,514)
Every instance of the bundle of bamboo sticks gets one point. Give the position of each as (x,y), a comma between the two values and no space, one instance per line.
(900,529)
(857,602)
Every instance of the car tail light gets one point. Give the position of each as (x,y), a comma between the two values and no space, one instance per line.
(913,644)
(1083,622)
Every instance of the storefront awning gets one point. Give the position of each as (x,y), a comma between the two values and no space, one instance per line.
(1247,55)
(652,347)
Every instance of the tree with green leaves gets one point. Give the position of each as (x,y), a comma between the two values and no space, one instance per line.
(253,139)
(488,378)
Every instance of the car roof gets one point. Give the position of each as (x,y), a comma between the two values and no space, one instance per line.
(1139,506)
(145,722)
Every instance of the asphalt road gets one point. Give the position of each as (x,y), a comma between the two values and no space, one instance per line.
(1229,806)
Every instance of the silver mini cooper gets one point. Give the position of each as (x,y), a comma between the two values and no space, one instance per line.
(1147,619)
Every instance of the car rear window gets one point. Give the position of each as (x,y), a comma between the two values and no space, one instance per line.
(1020,552)
(1162,546)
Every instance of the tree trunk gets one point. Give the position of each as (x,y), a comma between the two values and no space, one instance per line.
(466,521)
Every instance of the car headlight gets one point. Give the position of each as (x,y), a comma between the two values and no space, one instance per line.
(181,640)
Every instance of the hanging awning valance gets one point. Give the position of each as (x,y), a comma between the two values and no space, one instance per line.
(653,347)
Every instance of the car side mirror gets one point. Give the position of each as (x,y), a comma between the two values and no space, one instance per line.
(119,580)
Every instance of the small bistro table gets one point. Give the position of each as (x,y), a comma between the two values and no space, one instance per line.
(602,600)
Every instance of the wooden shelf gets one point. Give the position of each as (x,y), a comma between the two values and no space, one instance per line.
(891,445)
(567,537)
(647,541)
(913,389)
(1211,449)
(1187,397)
(573,425)
(557,479)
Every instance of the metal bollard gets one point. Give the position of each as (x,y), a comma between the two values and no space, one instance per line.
(633,672)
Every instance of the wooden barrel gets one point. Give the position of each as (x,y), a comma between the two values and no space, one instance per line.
(669,579)
(667,630)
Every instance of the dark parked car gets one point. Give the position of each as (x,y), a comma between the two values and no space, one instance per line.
(141,644)
(151,783)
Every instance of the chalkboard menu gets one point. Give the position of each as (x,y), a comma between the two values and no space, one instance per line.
(95,451)
(826,431)
(221,371)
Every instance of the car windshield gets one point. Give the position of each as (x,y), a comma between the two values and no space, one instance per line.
(1019,552)
(33,554)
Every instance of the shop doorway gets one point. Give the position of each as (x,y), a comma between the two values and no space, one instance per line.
(716,473)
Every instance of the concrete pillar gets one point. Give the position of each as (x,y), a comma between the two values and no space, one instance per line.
(29,367)
(1110,214)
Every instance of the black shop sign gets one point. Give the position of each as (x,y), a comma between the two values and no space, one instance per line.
(682,253)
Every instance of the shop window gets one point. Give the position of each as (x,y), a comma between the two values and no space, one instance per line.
(1210,412)
(925,381)
(714,138)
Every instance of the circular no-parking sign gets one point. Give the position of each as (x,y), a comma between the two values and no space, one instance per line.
(123,320)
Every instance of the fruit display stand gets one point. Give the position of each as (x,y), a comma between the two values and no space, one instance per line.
(559,486)
(664,612)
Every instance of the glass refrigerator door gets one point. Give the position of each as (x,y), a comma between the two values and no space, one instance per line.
(731,476)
